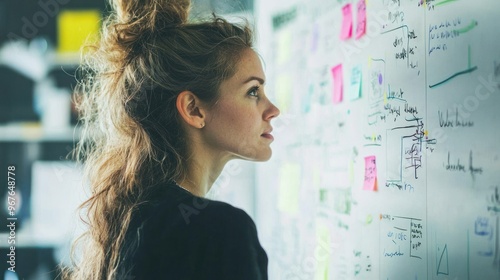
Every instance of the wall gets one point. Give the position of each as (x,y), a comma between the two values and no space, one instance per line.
(386,159)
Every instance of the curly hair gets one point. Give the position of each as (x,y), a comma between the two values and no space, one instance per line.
(132,139)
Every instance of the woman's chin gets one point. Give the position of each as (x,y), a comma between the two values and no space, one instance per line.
(260,156)
(265,156)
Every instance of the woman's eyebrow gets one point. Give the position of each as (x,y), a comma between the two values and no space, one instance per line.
(260,80)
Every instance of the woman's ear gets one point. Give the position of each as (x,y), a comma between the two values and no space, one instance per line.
(190,109)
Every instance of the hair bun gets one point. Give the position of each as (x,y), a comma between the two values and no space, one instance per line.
(152,14)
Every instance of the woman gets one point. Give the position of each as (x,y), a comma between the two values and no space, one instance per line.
(166,105)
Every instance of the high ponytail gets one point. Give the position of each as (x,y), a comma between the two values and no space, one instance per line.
(154,11)
(132,140)
(142,18)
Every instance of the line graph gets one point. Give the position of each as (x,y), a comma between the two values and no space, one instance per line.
(469,69)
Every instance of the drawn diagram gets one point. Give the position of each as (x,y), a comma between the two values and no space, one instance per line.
(377,90)
(468,70)
(405,44)
(494,208)
(404,236)
(408,144)
(442,265)
(445,37)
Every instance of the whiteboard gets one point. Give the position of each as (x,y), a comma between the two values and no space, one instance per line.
(386,158)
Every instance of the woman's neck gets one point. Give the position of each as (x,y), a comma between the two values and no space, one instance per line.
(203,171)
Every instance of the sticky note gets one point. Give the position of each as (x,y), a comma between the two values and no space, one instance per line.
(338,94)
(370,182)
(289,186)
(342,201)
(285,39)
(355,85)
(284,91)
(76,28)
(306,99)
(361,19)
(369,219)
(323,245)
(346,31)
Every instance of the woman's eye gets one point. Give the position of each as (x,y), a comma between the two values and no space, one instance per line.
(254,92)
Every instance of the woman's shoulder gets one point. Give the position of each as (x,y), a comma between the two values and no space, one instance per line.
(180,232)
(217,213)
(182,209)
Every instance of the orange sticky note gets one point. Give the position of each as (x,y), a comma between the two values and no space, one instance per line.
(338,92)
(346,31)
(370,182)
(361,19)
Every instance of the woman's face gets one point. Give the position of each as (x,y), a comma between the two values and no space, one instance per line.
(239,124)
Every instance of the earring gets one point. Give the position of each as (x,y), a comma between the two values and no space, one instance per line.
(202,125)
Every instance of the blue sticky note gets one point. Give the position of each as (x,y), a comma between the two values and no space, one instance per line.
(355,84)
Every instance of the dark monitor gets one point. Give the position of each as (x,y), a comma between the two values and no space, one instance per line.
(16,91)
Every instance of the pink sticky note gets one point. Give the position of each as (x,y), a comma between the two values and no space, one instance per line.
(370,182)
(346,31)
(338,78)
(361,22)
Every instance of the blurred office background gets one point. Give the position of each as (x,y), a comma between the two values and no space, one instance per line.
(39,53)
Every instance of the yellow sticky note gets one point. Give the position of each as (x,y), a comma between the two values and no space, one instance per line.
(284,92)
(369,219)
(288,200)
(322,251)
(285,39)
(76,28)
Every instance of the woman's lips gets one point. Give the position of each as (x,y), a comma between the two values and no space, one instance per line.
(267,136)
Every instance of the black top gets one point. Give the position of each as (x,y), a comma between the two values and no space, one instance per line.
(181,236)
